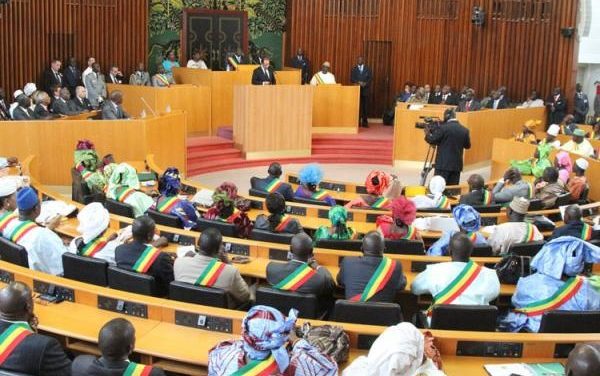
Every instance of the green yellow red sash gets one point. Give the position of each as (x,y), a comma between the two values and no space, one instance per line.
(146,260)
(297,279)
(530,192)
(529,234)
(461,282)
(381,202)
(265,367)
(319,195)
(444,203)
(22,230)
(487,197)
(233,216)
(319,78)
(211,273)
(274,185)
(6,219)
(167,204)
(232,62)
(164,79)
(11,338)
(93,247)
(85,174)
(472,236)
(560,297)
(134,369)
(378,281)
(411,233)
(283,224)
(124,194)
(586,232)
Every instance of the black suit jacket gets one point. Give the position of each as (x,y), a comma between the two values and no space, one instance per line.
(261,184)
(473,198)
(72,78)
(303,65)
(451,100)
(355,273)
(258,76)
(572,229)
(61,107)
(162,269)
(502,104)
(451,139)
(51,80)
(366,76)
(4,114)
(475,106)
(80,105)
(435,98)
(87,365)
(20,113)
(40,113)
(37,355)
(321,284)
(560,110)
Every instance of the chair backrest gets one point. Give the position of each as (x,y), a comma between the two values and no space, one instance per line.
(85,269)
(227,229)
(535,204)
(404,247)
(10,373)
(488,221)
(346,245)
(482,251)
(268,236)
(119,208)
(131,281)
(570,322)
(13,253)
(78,186)
(433,210)
(306,304)
(310,201)
(585,194)
(476,318)
(164,219)
(209,296)
(562,200)
(526,249)
(257,192)
(367,313)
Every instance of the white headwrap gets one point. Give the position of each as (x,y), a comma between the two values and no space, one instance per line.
(582,163)
(437,185)
(29,89)
(8,186)
(93,221)
(553,130)
(17,93)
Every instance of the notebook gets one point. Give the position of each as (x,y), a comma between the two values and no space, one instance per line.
(524,369)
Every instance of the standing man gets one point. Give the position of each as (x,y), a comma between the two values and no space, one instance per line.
(72,76)
(264,75)
(557,107)
(361,75)
(53,77)
(451,138)
(96,86)
(90,63)
(582,105)
(301,62)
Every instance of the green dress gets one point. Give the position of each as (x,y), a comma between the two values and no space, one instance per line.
(532,166)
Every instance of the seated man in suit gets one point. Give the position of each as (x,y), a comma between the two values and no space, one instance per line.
(23,111)
(115,76)
(575,226)
(26,351)
(113,109)
(516,230)
(584,360)
(324,76)
(161,78)
(579,145)
(209,267)
(79,102)
(60,106)
(510,186)
(469,103)
(264,75)
(478,195)
(498,101)
(42,106)
(549,188)
(277,221)
(302,273)
(140,77)
(371,277)
(116,342)
(142,255)
(272,183)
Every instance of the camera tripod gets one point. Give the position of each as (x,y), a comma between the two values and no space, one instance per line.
(429,164)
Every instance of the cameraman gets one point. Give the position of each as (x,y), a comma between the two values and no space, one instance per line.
(451,138)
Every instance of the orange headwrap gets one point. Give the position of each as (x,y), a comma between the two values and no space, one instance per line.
(377,182)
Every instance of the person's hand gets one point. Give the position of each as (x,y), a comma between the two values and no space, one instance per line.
(313,263)
(160,242)
(54,222)
(223,256)
(112,237)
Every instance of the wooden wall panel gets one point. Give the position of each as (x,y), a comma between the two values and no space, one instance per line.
(36,31)
(522,54)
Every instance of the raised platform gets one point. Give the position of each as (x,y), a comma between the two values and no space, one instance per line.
(371,145)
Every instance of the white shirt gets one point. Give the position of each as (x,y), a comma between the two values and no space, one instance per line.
(107,253)
(507,234)
(200,64)
(584,149)
(325,79)
(532,104)
(87,71)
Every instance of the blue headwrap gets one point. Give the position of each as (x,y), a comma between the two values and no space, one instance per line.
(27,198)
(186,213)
(170,183)
(265,331)
(565,255)
(467,218)
(311,174)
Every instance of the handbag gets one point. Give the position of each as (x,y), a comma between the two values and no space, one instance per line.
(328,339)
(512,267)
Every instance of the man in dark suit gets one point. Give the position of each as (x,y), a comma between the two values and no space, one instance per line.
(79,102)
(126,255)
(41,111)
(112,109)
(116,341)
(436,96)
(470,103)
(356,272)
(301,62)
(582,105)
(498,101)
(274,174)
(557,107)
(264,75)
(574,226)
(53,77)
(477,195)
(448,97)
(361,75)
(60,105)
(35,354)
(4,114)
(72,76)
(23,110)
(451,138)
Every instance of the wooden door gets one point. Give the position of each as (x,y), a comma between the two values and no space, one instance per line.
(377,56)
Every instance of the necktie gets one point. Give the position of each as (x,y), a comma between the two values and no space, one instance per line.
(468,106)
(266,73)
(57,76)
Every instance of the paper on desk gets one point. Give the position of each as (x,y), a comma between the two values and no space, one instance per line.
(183,249)
(436,224)
(523,369)
(51,209)
(203,197)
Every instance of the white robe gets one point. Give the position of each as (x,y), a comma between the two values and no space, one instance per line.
(326,79)
(107,253)
(507,234)
(585,149)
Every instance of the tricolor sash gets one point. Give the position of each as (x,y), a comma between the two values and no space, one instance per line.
(378,281)
(529,234)
(472,236)
(283,224)
(297,279)
(211,273)
(124,194)
(21,230)
(319,195)
(411,233)
(163,79)
(147,258)
(134,369)
(586,232)
(85,174)
(319,79)
(167,204)
(7,218)
(93,247)
(232,217)
(381,202)
(459,284)
(530,191)
(265,367)
(232,62)
(11,338)
(274,185)
(560,297)
(487,197)
(444,203)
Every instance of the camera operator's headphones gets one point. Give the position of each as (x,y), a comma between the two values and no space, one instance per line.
(449,114)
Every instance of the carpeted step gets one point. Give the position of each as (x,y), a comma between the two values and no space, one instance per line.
(213,154)
(208,143)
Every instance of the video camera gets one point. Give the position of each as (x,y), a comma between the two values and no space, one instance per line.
(428,122)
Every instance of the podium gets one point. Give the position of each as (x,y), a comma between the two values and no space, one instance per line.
(273,121)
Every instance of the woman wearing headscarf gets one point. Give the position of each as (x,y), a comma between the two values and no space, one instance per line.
(535,166)
(436,198)
(381,188)
(310,176)
(556,284)
(87,163)
(399,225)
(527,135)
(469,222)
(401,350)
(231,208)
(565,166)
(338,216)
(169,201)
(124,185)
(8,196)
(264,345)
(277,220)
(93,240)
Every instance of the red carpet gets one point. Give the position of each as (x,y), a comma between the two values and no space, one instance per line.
(370,146)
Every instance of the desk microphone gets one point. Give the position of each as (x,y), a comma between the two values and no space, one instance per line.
(148,106)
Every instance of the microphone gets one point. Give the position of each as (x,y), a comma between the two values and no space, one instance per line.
(147,106)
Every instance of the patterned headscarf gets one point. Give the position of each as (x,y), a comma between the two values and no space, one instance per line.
(123,175)
(565,255)
(170,184)
(85,145)
(404,210)
(565,165)
(265,332)
(226,196)
(377,182)
(467,218)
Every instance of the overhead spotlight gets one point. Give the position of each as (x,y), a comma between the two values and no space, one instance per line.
(478,16)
